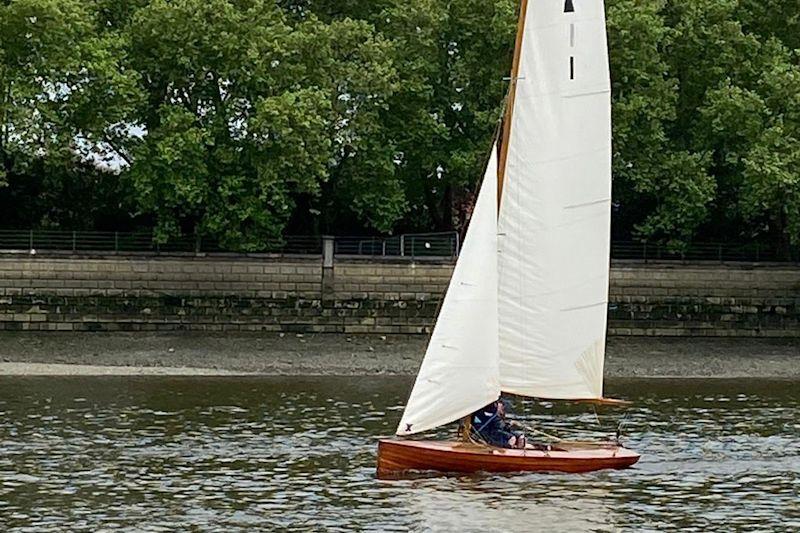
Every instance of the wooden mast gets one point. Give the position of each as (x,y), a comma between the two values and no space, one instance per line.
(466,422)
(509,111)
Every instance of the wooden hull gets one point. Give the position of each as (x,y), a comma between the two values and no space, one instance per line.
(396,457)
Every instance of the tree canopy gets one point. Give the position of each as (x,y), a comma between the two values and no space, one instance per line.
(245,120)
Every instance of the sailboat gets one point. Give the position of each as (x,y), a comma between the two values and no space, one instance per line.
(526,309)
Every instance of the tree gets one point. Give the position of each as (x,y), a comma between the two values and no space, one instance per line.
(736,86)
(61,88)
(771,190)
(244,120)
(772,18)
(662,189)
(248,110)
(694,94)
(453,63)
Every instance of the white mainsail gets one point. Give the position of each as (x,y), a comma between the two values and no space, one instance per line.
(526,309)
(554,224)
(459,374)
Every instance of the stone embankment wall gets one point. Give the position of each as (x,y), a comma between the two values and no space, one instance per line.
(363,296)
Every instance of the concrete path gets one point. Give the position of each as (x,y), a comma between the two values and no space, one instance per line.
(41,369)
(289,354)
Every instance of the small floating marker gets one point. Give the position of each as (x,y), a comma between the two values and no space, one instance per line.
(569,7)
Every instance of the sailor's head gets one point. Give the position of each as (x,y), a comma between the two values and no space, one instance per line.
(501,407)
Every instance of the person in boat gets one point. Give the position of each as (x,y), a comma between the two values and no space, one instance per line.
(489,425)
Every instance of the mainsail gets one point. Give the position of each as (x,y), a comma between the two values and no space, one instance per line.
(459,374)
(554,224)
(526,309)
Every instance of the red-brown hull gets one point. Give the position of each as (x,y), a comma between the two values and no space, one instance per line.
(398,456)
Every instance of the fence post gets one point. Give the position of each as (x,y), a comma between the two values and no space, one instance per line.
(719,254)
(413,239)
(458,244)
(402,245)
(328,251)
(328,282)
(197,239)
(645,252)
(116,242)
(383,248)
(30,240)
(74,241)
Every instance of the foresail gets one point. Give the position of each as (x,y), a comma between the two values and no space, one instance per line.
(459,374)
(554,224)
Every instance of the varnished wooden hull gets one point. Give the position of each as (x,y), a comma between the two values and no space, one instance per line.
(396,457)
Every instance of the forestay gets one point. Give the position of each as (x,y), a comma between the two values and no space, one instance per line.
(554,224)
(459,374)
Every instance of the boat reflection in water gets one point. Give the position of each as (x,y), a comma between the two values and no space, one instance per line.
(501,511)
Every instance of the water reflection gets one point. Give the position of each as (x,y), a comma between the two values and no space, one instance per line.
(166,454)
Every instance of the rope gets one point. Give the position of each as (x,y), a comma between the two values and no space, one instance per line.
(554,437)
(540,432)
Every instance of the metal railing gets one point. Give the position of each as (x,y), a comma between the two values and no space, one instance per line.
(412,246)
(137,242)
(716,252)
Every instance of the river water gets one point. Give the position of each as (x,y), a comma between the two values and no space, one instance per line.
(298,454)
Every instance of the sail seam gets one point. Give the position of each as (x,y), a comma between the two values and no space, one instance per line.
(590,93)
(587,204)
(585,306)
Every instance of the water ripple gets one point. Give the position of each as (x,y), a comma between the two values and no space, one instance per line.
(163,454)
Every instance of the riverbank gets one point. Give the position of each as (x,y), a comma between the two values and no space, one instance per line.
(44,369)
(358,296)
(290,354)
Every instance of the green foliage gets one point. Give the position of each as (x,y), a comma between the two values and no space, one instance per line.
(697,86)
(771,189)
(451,100)
(247,109)
(62,84)
(242,120)
(663,190)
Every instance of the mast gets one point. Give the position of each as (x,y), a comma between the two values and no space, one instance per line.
(509,110)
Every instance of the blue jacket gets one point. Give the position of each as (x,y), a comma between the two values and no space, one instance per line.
(491,427)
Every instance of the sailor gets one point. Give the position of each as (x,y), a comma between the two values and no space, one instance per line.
(490,426)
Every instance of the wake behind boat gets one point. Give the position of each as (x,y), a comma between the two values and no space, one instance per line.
(526,309)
